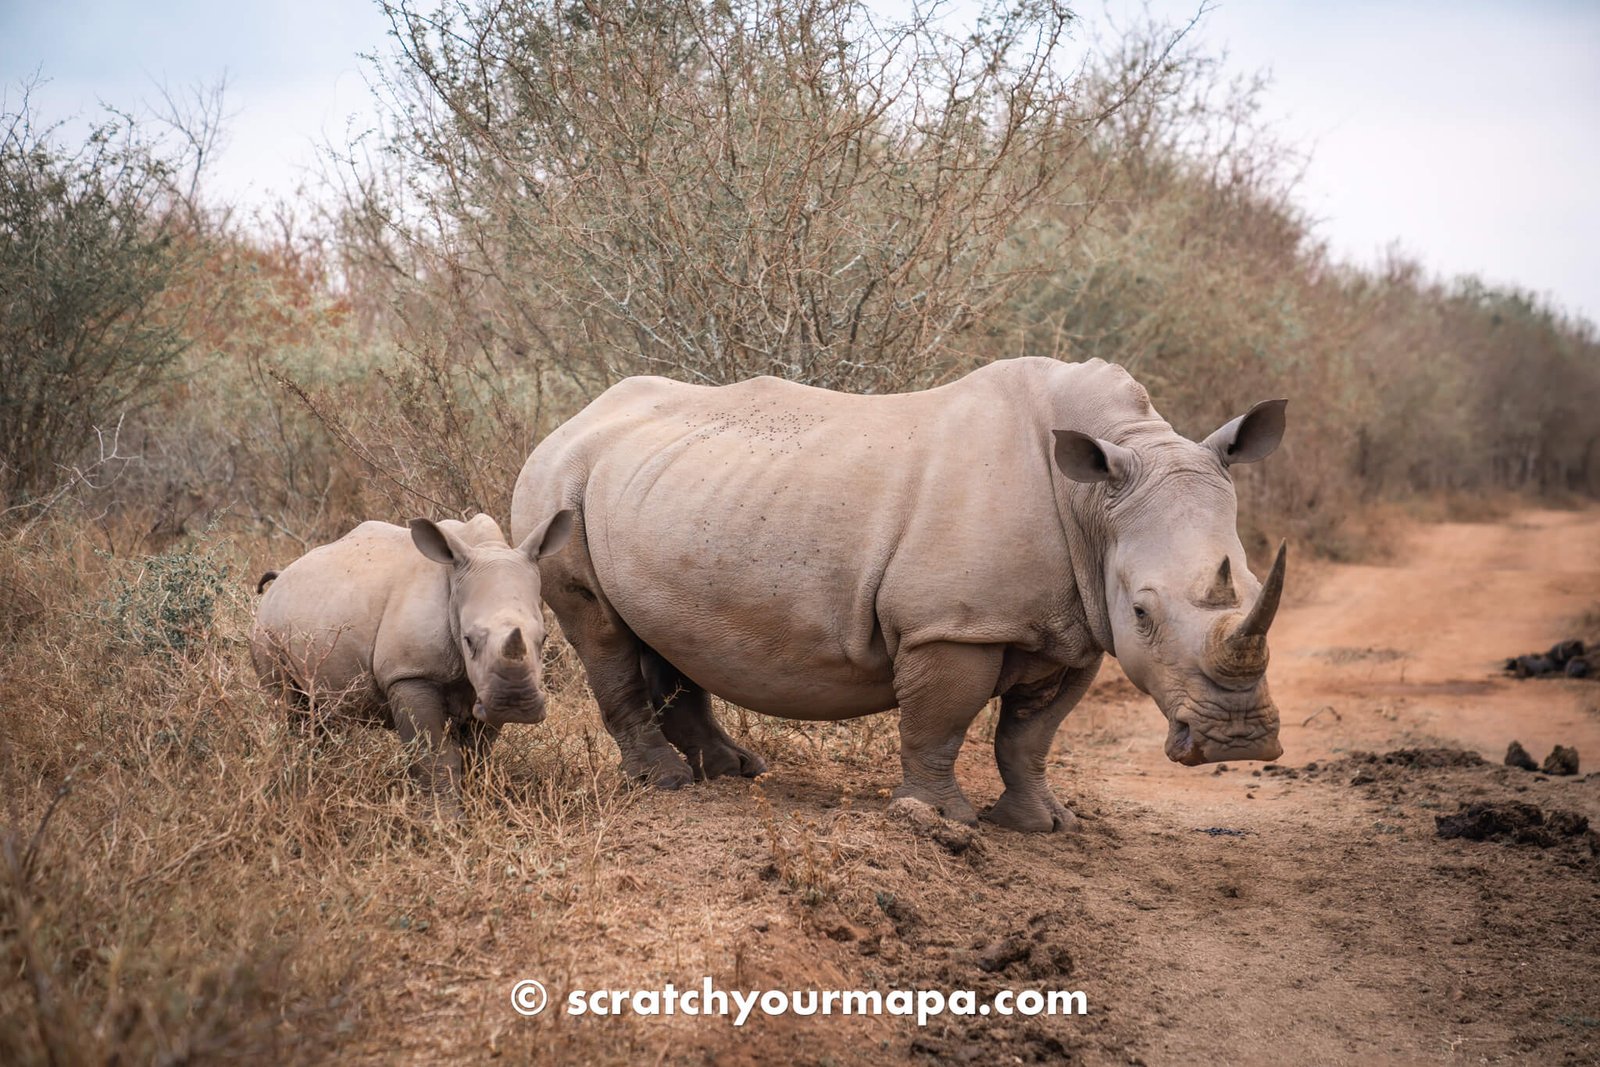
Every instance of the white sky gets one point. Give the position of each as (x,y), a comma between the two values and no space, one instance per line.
(1467,132)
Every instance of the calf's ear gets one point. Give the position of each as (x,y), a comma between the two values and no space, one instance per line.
(1252,436)
(1089,459)
(438,544)
(549,537)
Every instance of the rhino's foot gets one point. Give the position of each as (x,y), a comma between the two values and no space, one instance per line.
(721,759)
(948,802)
(442,804)
(1033,812)
(661,767)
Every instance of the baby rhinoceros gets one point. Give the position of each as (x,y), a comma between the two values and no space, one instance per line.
(433,632)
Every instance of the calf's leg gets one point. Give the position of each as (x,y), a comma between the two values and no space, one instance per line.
(418,708)
(477,738)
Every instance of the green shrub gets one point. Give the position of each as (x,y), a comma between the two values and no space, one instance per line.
(168,605)
(92,242)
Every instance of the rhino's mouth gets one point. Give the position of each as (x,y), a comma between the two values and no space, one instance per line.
(1182,746)
(1250,736)
(509,692)
(500,714)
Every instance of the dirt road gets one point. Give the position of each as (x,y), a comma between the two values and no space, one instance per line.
(1356,935)
(1303,913)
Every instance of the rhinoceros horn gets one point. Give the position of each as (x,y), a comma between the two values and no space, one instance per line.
(1236,652)
(515,647)
(1222,594)
(1262,611)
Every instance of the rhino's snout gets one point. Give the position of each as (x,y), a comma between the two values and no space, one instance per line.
(1192,742)
(509,691)
(528,711)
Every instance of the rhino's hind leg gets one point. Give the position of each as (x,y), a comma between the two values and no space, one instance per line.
(1029,718)
(306,722)
(683,710)
(610,654)
(941,688)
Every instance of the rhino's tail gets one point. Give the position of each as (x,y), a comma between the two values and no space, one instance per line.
(266,579)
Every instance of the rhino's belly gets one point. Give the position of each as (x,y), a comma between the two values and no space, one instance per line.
(790,694)
(332,669)
(784,665)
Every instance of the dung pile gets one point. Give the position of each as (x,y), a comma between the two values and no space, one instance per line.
(1562,761)
(1362,768)
(1522,824)
(1564,657)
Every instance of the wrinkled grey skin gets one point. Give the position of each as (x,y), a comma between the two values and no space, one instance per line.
(433,631)
(817,555)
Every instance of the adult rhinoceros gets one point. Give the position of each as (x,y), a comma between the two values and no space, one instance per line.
(817,555)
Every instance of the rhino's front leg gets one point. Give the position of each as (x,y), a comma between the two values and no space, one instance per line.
(941,688)
(1029,718)
(419,718)
(477,739)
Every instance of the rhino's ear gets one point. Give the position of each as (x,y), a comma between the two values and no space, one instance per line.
(1252,436)
(1089,459)
(548,538)
(438,544)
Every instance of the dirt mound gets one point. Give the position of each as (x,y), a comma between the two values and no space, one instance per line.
(1523,824)
(1429,758)
(1368,767)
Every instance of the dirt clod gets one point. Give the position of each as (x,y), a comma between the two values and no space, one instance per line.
(1561,761)
(918,814)
(1001,954)
(955,838)
(1517,756)
(924,818)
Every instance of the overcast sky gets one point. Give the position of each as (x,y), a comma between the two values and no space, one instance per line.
(1465,132)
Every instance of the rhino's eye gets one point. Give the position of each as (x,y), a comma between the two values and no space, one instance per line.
(1141,619)
(473,643)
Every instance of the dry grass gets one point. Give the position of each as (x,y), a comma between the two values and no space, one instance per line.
(185,879)
(173,854)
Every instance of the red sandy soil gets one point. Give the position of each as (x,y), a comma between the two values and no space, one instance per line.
(1334,927)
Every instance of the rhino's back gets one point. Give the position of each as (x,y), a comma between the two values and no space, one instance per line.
(778,542)
(337,619)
